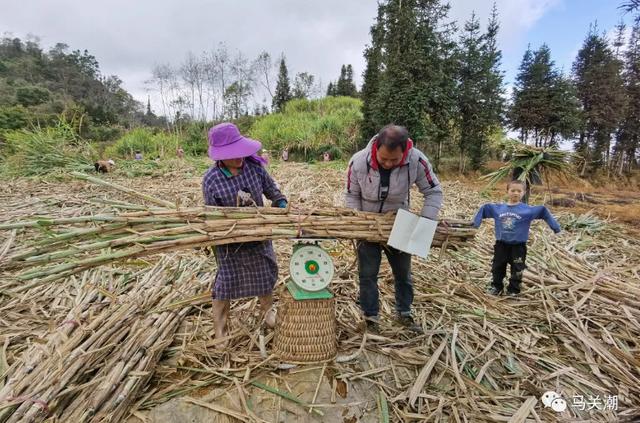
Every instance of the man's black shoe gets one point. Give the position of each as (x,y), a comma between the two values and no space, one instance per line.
(410,324)
(494,291)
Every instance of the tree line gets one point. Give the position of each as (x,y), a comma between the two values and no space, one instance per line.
(36,86)
(597,107)
(221,84)
(443,82)
(447,87)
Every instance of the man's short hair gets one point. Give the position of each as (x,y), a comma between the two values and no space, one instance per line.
(392,137)
(517,182)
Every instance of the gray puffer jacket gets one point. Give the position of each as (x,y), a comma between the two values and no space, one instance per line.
(363,183)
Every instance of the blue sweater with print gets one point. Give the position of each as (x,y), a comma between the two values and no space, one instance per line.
(513,222)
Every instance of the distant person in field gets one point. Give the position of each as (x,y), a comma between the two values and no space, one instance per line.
(512,222)
(238,178)
(379,179)
(138,155)
(180,153)
(104,166)
(285,155)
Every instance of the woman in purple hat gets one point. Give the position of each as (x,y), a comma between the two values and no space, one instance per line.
(239,178)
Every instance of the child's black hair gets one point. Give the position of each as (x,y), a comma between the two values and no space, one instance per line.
(516,181)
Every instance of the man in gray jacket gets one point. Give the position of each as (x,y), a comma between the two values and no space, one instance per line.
(379,179)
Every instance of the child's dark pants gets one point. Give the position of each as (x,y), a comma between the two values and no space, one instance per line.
(514,255)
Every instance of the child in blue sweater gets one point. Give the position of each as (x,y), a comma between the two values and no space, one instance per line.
(513,220)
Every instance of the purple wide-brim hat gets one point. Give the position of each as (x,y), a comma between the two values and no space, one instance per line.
(226,142)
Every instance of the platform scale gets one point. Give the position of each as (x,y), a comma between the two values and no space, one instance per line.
(306,322)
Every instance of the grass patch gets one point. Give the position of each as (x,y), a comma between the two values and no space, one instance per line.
(308,128)
(45,151)
(148,142)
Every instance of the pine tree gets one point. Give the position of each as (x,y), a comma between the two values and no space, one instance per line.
(149,112)
(400,97)
(351,91)
(413,65)
(618,41)
(544,104)
(540,89)
(564,118)
(542,77)
(519,112)
(630,6)
(341,85)
(493,91)
(371,121)
(470,102)
(410,75)
(331,92)
(628,136)
(598,76)
(149,118)
(480,99)
(283,90)
(440,88)
(345,85)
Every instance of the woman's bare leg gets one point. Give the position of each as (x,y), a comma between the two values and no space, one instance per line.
(220,314)
(266,305)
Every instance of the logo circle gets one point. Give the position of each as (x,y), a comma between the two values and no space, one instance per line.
(312,267)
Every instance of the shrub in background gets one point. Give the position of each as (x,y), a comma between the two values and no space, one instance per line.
(150,144)
(308,128)
(41,151)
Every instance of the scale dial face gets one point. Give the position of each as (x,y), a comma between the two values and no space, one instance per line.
(311,268)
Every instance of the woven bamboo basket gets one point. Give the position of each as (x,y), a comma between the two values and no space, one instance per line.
(305,330)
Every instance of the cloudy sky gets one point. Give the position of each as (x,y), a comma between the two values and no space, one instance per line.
(128,37)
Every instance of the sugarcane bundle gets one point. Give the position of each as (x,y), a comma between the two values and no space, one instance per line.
(98,360)
(532,162)
(71,245)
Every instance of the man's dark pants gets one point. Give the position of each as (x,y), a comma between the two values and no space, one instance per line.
(369,258)
(513,255)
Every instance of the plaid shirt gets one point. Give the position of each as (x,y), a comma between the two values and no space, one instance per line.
(248,269)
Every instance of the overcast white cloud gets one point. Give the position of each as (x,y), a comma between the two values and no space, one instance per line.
(129,36)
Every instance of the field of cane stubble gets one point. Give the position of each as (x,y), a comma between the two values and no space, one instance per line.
(134,340)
